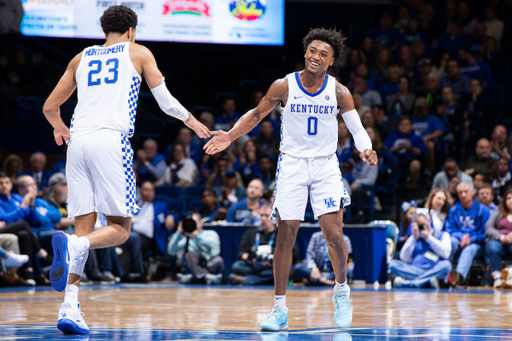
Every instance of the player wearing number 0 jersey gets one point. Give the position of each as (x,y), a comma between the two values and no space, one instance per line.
(308,164)
(99,157)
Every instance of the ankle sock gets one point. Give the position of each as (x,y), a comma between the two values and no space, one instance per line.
(341,289)
(71,295)
(280,302)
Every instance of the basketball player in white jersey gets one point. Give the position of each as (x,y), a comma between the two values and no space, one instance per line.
(99,157)
(308,164)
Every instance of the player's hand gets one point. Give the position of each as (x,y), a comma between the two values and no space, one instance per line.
(199,128)
(370,156)
(415,231)
(61,135)
(218,143)
(315,274)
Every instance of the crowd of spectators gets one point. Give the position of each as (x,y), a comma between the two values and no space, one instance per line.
(420,81)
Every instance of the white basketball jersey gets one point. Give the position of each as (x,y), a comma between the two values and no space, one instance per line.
(309,127)
(108,87)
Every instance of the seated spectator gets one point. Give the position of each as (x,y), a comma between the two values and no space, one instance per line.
(221,163)
(406,62)
(37,171)
(499,142)
(408,148)
(201,252)
(153,223)
(266,142)
(436,207)
(367,120)
(207,119)
(466,223)
(268,176)
(358,104)
(433,96)
(390,86)
(385,35)
(12,167)
(256,253)
(317,267)
(423,258)
(419,86)
(451,42)
(485,196)
(401,103)
(247,210)
(231,191)
(369,97)
(474,68)
(247,163)
(10,257)
(482,162)
(493,24)
(470,113)
(431,129)
(453,79)
(380,67)
(439,68)
(480,180)
(149,165)
(369,49)
(450,173)
(192,151)
(181,171)
(16,213)
(414,32)
(385,125)
(500,176)
(446,112)
(492,55)
(210,205)
(228,117)
(499,239)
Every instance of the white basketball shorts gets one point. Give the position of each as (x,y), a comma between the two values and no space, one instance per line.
(320,177)
(100,175)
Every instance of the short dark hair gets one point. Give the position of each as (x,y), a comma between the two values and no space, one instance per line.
(405,118)
(450,159)
(330,36)
(3,175)
(118,19)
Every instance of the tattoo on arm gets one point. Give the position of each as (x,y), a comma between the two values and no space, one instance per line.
(339,92)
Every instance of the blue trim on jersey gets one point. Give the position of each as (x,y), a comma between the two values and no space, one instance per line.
(305,91)
(131,192)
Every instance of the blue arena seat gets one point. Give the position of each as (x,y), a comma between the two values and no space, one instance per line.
(173,192)
(192,192)
(177,206)
(194,205)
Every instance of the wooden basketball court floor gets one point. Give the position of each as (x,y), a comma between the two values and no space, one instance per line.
(174,312)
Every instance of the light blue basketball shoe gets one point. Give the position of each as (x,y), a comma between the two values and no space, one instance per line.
(276,321)
(342,313)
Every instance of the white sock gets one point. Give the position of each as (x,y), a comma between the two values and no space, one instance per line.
(280,302)
(71,296)
(82,244)
(341,289)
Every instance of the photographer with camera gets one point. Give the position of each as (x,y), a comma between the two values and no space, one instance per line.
(424,256)
(200,251)
(256,253)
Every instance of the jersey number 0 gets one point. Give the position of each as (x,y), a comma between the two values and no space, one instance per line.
(97,64)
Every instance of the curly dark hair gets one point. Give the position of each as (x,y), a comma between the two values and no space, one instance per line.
(330,36)
(118,19)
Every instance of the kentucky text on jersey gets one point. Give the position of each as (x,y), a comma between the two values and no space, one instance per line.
(310,109)
(97,52)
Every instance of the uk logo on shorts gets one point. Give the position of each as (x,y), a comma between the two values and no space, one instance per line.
(330,202)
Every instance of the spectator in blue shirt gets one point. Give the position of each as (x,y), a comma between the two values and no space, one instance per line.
(408,149)
(473,68)
(451,42)
(424,256)
(268,176)
(390,86)
(466,223)
(431,129)
(246,211)
(453,79)
(266,142)
(229,115)
(414,33)
(41,176)
(386,35)
(149,165)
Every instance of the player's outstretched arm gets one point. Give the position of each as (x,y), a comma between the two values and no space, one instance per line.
(354,125)
(148,68)
(277,92)
(59,95)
